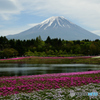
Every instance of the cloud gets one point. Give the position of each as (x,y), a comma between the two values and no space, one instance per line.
(13,31)
(1,26)
(9,7)
(85,12)
(96,32)
(67,7)
(5,16)
(32,25)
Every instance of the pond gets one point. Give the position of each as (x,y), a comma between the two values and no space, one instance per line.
(35,69)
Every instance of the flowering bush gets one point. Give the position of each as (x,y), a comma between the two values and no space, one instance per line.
(15,85)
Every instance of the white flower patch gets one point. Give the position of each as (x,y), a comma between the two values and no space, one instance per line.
(57,94)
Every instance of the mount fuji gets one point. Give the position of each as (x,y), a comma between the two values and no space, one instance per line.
(55,27)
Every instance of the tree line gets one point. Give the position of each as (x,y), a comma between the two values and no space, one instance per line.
(49,47)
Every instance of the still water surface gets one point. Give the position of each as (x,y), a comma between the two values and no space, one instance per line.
(35,69)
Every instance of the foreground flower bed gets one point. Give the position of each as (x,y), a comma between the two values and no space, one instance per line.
(58,94)
(27,84)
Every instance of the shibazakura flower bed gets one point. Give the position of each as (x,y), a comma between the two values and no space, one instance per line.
(19,58)
(58,94)
(27,84)
(52,60)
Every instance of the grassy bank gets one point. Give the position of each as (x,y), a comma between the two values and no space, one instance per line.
(54,60)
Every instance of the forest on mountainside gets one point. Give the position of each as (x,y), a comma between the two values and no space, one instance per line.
(49,47)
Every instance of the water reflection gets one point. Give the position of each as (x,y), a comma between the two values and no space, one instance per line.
(35,69)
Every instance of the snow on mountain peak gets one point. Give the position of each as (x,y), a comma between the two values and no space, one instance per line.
(54,21)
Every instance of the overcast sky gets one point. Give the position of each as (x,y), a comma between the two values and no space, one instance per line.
(19,15)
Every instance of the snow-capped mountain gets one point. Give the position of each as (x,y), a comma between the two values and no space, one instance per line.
(54,22)
(56,27)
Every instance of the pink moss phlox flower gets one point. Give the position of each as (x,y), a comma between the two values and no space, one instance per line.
(50,75)
(10,85)
(15,58)
(48,57)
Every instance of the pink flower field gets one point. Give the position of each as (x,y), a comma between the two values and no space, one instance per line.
(15,58)
(27,84)
(18,58)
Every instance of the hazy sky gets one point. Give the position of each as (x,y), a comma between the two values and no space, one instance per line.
(19,15)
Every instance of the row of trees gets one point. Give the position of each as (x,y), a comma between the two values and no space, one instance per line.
(38,47)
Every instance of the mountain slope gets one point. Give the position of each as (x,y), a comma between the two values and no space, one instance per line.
(56,27)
